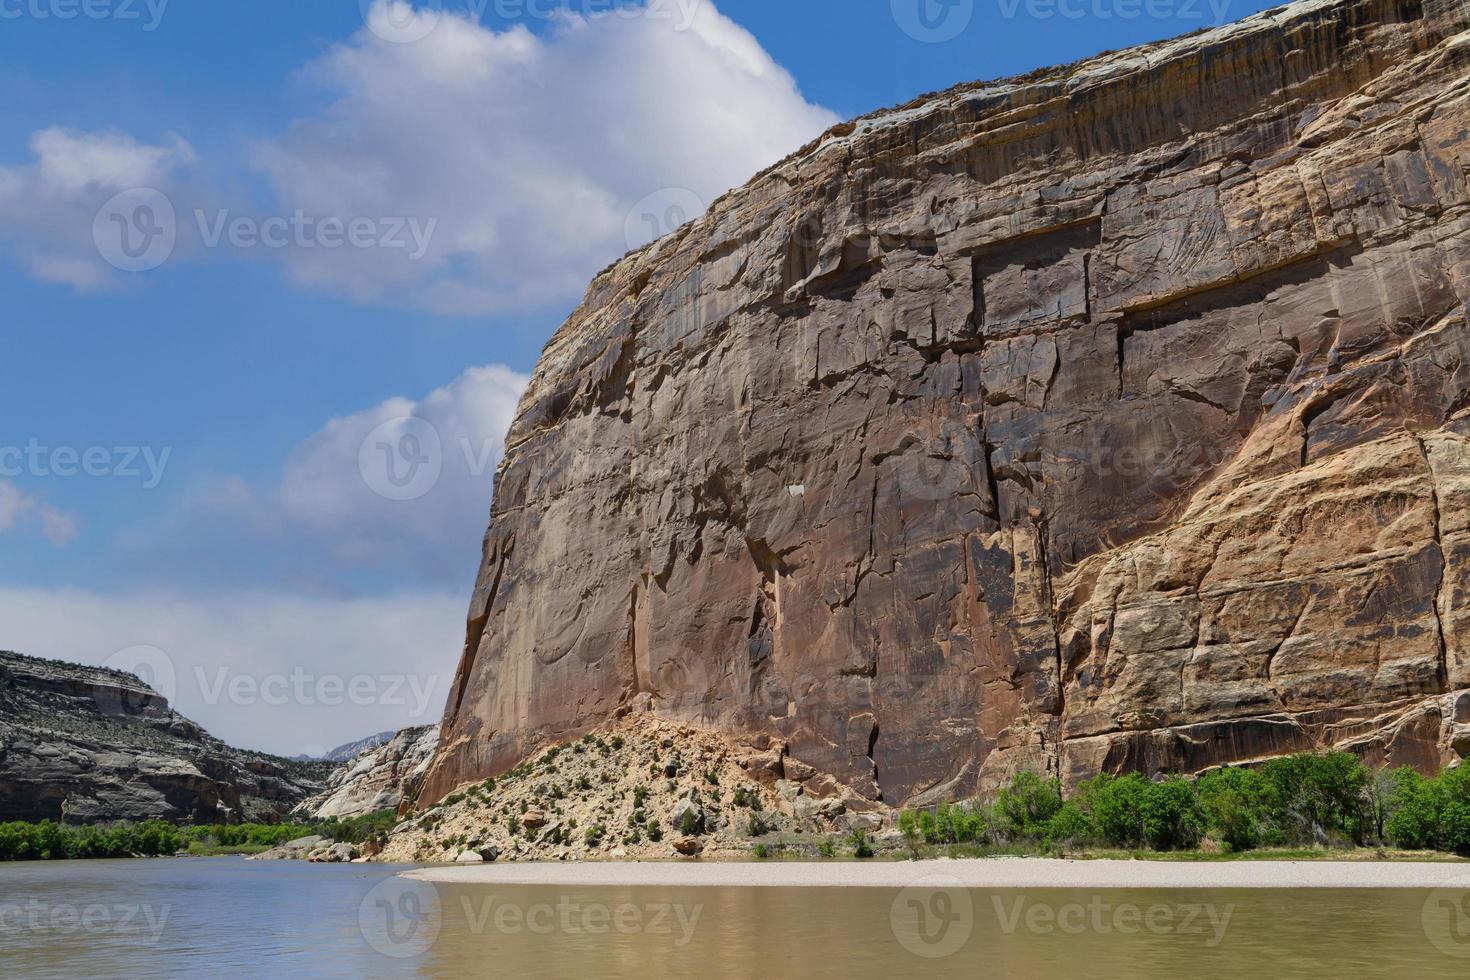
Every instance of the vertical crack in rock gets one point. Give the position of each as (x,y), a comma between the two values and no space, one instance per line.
(872,758)
(1441,600)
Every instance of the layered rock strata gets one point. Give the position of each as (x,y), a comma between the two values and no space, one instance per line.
(1114,417)
(382,776)
(91,745)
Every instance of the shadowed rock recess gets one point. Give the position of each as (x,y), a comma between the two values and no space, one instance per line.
(1110,418)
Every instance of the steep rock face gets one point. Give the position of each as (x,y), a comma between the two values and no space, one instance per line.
(380,777)
(91,745)
(1113,417)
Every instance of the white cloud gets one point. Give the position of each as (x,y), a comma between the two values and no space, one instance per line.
(530,151)
(406,479)
(48,206)
(19,509)
(352,498)
(279,673)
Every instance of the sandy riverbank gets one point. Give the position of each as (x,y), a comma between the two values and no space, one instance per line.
(988,873)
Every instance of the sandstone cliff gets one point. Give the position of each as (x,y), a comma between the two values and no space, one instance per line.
(91,745)
(378,777)
(1111,417)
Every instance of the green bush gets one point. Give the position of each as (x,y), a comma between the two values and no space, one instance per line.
(1115,805)
(1415,808)
(1027,805)
(1315,798)
(1235,806)
(1070,825)
(1172,816)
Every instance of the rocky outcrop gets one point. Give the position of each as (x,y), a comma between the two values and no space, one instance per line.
(1114,417)
(381,777)
(90,745)
(351,750)
(639,789)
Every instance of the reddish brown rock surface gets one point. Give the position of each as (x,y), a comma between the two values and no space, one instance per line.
(1114,417)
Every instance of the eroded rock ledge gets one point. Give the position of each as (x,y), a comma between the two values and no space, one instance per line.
(1114,417)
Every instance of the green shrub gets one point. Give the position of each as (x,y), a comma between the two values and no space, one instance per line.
(1069,825)
(928,827)
(1115,806)
(1314,798)
(1415,808)
(1234,802)
(1172,816)
(1025,807)
(861,848)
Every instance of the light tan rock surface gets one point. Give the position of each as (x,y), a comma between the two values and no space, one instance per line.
(380,778)
(1111,417)
(624,793)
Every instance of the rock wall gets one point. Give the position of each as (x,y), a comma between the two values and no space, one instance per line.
(380,777)
(90,745)
(1111,417)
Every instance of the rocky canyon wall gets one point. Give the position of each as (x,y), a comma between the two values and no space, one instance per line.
(1114,417)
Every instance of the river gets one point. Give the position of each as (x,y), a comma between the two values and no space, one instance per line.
(226,917)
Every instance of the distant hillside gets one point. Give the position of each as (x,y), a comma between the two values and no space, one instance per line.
(92,745)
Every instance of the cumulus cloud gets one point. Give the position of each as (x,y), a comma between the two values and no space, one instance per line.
(49,206)
(406,479)
(539,158)
(277,673)
(258,622)
(19,509)
(402,487)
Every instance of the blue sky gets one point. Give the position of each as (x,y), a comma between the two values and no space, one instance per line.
(226,394)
